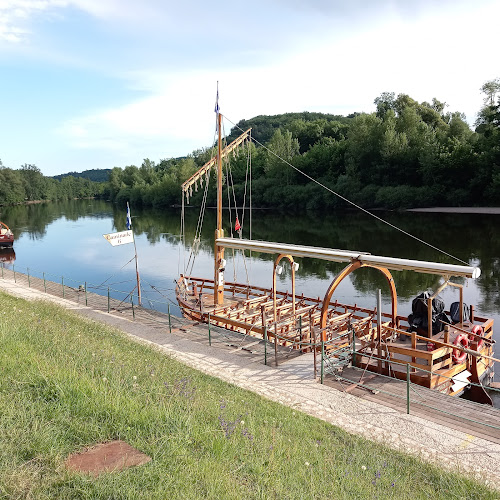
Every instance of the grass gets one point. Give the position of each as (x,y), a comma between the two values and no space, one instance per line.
(67,383)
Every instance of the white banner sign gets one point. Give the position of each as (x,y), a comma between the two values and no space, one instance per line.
(120,238)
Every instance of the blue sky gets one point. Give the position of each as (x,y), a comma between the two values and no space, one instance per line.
(102,83)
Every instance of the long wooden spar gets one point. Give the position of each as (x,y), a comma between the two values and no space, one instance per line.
(334,255)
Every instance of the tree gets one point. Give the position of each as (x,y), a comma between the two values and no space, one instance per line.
(490,89)
(384,103)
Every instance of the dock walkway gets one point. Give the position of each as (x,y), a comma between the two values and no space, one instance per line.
(239,360)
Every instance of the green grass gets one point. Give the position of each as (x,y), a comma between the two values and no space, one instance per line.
(67,383)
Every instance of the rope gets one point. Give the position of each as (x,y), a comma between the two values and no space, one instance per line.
(118,271)
(351,202)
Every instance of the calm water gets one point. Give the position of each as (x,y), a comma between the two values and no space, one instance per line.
(65,239)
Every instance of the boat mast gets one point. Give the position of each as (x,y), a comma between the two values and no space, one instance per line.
(219,232)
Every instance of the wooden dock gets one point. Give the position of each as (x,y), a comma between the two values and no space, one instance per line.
(455,412)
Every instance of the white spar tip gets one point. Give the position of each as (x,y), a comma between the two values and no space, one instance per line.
(476,273)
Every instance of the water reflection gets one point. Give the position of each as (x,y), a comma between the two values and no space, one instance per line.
(7,255)
(470,237)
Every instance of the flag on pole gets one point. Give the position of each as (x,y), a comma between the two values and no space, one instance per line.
(217,100)
(129,218)
(237,225)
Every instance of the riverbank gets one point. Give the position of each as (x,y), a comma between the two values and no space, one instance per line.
(459,210)
(291,386)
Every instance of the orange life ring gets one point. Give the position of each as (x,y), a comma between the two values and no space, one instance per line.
(478,330)
(463,341)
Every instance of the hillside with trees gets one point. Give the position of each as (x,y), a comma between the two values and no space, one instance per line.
(405,154)
(28,184)
(96,175)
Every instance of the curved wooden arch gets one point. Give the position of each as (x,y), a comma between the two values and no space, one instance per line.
(276,262)
(345,272)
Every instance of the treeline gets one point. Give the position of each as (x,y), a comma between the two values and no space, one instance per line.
(96,175)
(29,184)
(406,154)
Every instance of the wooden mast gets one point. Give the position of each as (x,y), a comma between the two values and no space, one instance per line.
(219,232)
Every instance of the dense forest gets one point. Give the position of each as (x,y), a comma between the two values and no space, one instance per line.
(405,154)
(29,184)
(96,175)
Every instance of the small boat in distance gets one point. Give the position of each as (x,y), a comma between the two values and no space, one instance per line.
(442,349)
(6,236)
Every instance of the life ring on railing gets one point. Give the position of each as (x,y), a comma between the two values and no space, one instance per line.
(478,330)
(463,341)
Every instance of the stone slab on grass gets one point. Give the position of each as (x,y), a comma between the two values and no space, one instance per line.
(106,457)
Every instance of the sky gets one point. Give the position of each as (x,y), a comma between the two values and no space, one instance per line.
(90,84)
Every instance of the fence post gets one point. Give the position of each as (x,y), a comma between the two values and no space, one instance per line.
(14,269)
(44,283)
(132,302)
(29,282)
(353,348)
(408,388)
(275,344)
(265,345)
(62,284)
(108,299)
(209,331)
(300,331)
(313,331)
(322,358)
(169,320)
(85,293)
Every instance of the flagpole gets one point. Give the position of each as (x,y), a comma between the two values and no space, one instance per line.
(129,222)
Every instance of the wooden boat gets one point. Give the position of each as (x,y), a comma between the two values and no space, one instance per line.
(442,357)
(6,236)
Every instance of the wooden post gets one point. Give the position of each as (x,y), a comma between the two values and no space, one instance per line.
(414,344)
(219,232)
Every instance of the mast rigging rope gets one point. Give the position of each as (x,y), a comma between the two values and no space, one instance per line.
(349,201)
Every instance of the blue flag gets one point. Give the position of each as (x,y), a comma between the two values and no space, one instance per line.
(129,218)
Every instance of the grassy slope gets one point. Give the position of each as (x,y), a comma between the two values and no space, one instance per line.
(67,383)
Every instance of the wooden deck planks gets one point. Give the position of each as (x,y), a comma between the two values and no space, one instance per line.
(456,413)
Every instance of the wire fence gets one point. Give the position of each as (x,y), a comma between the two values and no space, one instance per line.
(333,361)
